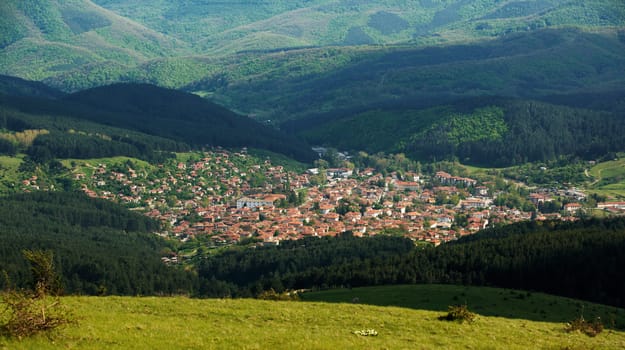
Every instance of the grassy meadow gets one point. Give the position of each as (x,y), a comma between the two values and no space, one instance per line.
(609,178)
(183,323)
(9,171)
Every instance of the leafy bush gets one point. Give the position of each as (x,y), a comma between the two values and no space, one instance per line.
(28,313)
(459,313)
(271,294)
(590,328)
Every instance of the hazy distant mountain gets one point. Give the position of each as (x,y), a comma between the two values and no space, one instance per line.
(43,38)
(79,44)
(342,81)
(228,26)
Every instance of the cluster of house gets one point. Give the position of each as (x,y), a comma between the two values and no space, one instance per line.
(233,196)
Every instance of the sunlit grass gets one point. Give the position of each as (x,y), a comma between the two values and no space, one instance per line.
(609,178)
(9,171)
(183,323)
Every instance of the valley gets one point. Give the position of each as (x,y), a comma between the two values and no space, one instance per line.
(223,197)
(313,173)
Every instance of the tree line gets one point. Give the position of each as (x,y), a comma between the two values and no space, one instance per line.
(579,260)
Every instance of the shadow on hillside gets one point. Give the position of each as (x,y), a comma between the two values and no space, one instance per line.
(484,301)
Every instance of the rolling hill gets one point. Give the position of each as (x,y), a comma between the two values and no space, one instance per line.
(40,39)
(488,131)
(172,119)
(341,81)
(12,86)
(327,61)
(228,27)
(99,247)
(81,44)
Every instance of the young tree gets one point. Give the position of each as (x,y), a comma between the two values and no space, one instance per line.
(32,312)
(47,280)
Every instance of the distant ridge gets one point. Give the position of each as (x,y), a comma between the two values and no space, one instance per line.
(13,86)
(166,113)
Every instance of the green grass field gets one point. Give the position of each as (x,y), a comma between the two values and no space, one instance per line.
(485,301)
(609,178)
(183,323)
(87,166)
(9,173)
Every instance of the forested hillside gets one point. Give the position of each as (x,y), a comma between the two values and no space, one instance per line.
(48,129)
(267,25)
(579,260)
(99,247)
(483,131)
(342,82)
(81,44)
(41,39)
(13,86)
(172,119)
(185,117)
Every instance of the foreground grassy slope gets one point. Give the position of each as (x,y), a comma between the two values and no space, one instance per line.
(181,323)
(494,302)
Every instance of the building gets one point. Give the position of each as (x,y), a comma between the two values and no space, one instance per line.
(446,178)
(572,207)
(247,202)
(611,205)
(406,185)
(475,203)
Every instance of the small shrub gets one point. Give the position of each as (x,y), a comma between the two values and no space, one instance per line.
(271,294)
(459,313)
(591,329)
(29,313)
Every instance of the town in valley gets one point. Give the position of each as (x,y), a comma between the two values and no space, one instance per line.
(227,197)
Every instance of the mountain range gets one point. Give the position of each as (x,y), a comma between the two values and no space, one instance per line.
(308,66)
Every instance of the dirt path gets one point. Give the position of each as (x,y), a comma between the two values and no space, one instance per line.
(590,176)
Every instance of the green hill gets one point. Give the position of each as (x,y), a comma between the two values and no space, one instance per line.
(185,117)
(99,247)
(40,39)
(240,26)
(164,323)
(13,86)
(80,44)
(341,82)
(485,131)
(47,129)
(172,119)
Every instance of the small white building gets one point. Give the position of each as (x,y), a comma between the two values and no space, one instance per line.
(247,202)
